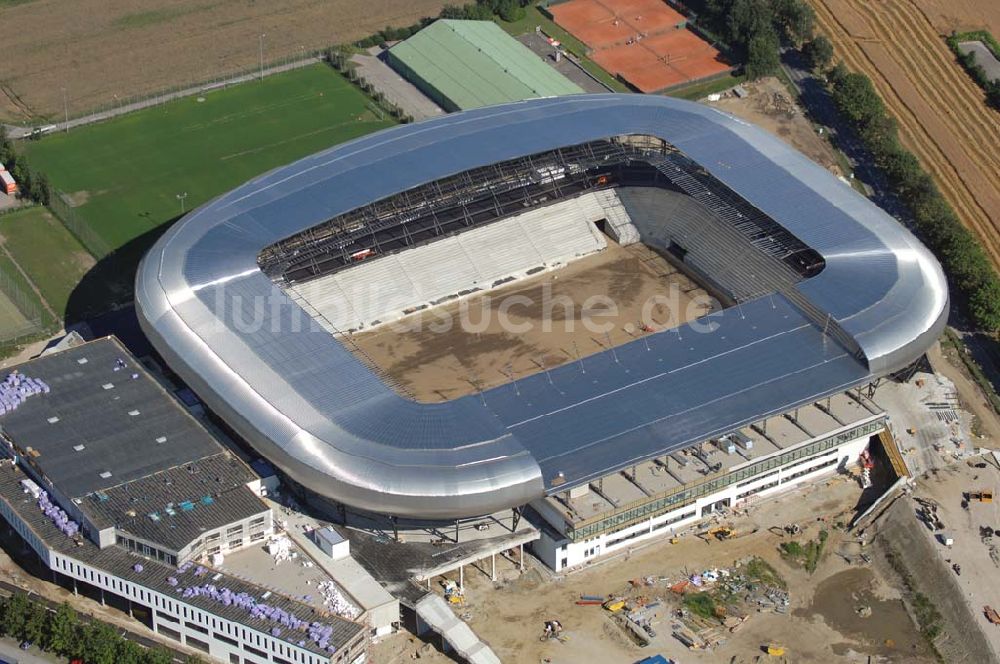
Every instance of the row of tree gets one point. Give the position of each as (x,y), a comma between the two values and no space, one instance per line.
(480,10)
(62,633)
(339,58)
(968,60)
(33,185)
(955,246)
(754,30)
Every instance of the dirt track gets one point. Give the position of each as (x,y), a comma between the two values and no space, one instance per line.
(942,114)
(103,53)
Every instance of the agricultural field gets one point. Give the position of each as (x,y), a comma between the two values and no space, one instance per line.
(942,114)
(99,51)
(123,177)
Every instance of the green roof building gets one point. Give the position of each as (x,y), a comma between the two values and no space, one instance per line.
(467,64)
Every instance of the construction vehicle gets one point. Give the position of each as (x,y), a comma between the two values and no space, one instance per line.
(982,496)
(720,533)
(453,593)
(553,631)
(774,650)
(614,605)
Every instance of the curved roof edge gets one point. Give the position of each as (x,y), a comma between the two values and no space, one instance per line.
(302,400)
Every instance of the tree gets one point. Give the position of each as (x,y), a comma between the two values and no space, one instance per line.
(159,656)
(511,11)
(98,644)
(819,53)
(984,305)
(857,99)
(34,626)
(747,19)
(128,652)
(15,615)
(794,19)
(41,190)
(762,55)
(61,634)
(880,135)
(22,174)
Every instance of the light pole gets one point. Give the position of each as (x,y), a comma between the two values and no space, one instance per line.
(181,198)
(262,35)
(65,111)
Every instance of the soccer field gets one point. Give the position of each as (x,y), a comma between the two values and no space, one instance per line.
(124,175)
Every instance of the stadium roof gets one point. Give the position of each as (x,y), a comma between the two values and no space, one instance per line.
(315,410)
(475,63)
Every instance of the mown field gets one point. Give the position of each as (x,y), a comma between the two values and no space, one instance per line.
(99,52)
(50,256)
(124,176)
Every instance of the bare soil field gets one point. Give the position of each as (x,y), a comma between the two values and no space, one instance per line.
(942,114)
(769,106)
(823,623)
(457,348)
(99,51)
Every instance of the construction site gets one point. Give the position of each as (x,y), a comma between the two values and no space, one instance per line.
(597,302)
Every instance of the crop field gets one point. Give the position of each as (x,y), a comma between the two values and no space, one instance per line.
(99,52)
(942,114)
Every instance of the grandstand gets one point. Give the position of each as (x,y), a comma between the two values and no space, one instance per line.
(820,292)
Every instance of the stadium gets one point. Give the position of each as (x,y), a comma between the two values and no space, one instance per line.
(279,304)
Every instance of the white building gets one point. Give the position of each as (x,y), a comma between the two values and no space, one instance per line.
(671,493)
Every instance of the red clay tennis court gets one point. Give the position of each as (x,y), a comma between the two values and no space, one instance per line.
(644,41)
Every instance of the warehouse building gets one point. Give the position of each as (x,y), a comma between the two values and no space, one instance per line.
(127,498)
(468,64)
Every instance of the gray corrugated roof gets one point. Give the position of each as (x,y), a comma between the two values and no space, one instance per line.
(93,400)
(305,402)
(187,500)
(154,575)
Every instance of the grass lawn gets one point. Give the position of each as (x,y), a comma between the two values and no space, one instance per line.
(124,175)
(534,17)
(53,259)
(13,275)
(702,89)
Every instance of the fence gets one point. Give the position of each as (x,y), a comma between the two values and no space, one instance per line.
(26,305)
(60,206)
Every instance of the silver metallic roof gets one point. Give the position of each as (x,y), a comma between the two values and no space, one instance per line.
(306,403)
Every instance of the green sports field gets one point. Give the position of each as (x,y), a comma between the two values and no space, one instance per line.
(124,175)
(54,260)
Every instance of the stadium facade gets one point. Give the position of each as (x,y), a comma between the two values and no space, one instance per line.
(828,293)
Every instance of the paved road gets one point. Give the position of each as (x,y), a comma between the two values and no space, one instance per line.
(14,131)
(396,89)
(10,652)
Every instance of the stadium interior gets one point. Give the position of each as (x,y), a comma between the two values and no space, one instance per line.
(630,217)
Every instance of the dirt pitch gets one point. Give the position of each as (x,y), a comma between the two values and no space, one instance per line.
(942,114)
(100,51)
(640,41)
(436,364)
